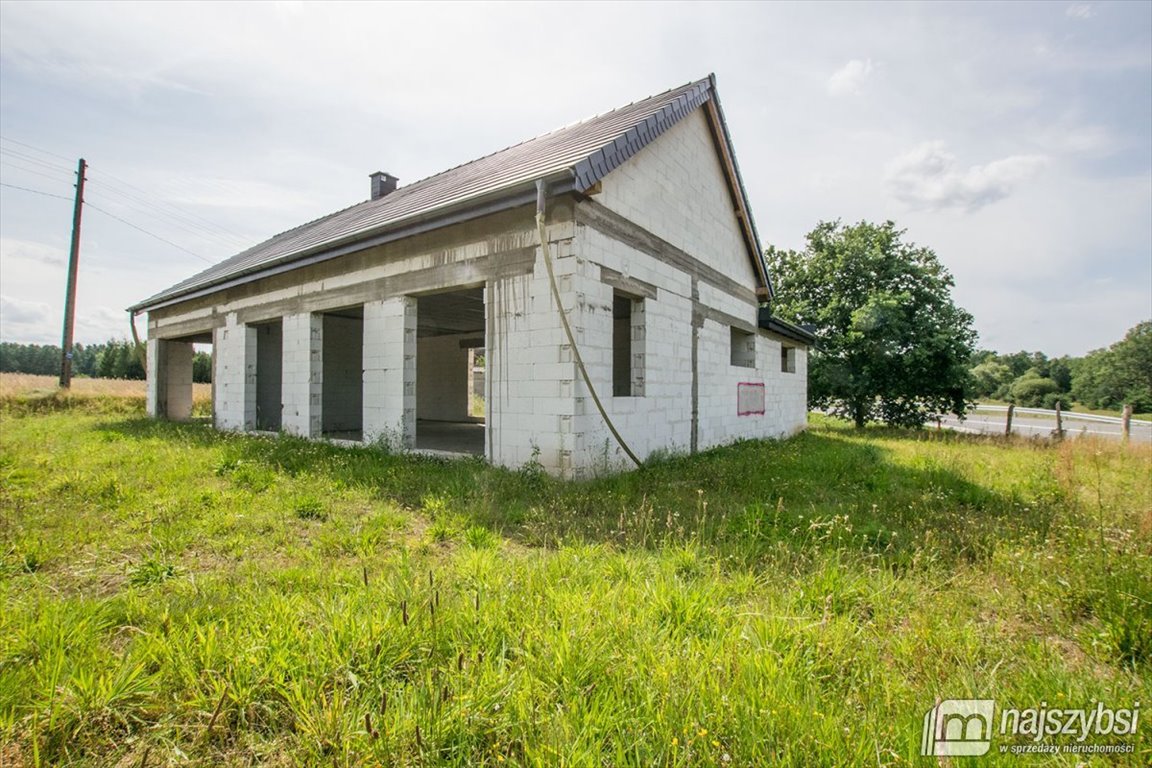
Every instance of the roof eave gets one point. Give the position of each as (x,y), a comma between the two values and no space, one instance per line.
(522,194)
(788,330)
(732,169)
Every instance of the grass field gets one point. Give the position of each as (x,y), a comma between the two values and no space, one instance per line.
(174,596)
(26,392)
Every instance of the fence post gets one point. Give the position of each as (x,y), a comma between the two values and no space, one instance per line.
(1008,424)
(1126,422)
(1059,421)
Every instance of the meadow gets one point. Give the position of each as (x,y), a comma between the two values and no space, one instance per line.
(175,596)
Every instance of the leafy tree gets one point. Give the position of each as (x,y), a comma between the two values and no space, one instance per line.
(891,345)
(202,368)
(991,378)
(1060,371)
(1119,375)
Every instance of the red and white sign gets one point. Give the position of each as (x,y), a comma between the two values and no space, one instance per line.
(749,399)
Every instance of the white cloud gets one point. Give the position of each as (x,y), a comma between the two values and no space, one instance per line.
(1080,11)
(850,78)
(21,312)
(929,177)
(12,249)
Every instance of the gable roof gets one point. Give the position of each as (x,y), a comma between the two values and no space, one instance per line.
(573,158)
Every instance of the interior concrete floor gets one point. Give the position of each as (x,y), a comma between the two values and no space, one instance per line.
(450,436)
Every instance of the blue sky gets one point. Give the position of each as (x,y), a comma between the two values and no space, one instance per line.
(1013,139)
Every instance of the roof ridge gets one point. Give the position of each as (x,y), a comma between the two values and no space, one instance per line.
(409,186)
(566,127)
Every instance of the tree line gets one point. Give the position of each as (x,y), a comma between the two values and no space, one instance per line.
(114,359)
(1104,378)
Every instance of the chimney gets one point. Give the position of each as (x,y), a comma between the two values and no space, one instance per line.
(382,184)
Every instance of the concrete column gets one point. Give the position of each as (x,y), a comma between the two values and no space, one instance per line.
(234,376)
(154,401)
(303,372)
(390,371)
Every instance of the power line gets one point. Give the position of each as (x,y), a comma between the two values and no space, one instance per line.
(226,236)
(37,192)
(150,234)
(32,159)
(149,200)
(38,149)
(182,221)
(111,215)
(33,171)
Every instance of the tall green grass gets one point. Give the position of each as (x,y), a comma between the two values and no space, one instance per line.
(172,595)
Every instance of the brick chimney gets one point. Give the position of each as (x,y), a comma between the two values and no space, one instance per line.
(382,184)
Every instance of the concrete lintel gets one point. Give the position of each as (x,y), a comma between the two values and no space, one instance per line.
(702,312)
(611,224)
(628,285)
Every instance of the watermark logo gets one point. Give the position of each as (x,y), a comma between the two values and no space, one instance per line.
(966,727)
(958,727)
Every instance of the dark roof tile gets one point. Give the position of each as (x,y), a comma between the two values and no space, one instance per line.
(586,150)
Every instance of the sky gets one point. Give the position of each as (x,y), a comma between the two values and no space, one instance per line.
(1015,140)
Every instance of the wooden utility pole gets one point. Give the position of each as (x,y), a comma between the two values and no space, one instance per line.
(1126,423)
(1059,421)
(70,296)
(1008,423)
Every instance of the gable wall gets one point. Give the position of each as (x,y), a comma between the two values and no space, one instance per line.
(663,223)
(676,188)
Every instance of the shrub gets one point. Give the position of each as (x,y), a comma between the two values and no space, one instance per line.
(1030,390)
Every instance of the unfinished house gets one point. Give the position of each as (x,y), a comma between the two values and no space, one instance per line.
(592,295)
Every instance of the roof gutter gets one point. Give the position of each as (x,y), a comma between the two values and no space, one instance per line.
(784,328)
(473,209)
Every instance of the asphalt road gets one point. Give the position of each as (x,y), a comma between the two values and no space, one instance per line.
(992,422)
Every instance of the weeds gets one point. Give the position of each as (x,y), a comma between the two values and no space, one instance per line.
(783,603)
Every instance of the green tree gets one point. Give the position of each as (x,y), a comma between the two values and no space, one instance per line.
(1034,391)
(990,378)
(892,345)
(202,368)
(1120,375)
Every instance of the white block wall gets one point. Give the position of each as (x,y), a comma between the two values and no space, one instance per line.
(530,396)
(303,370)
(442,378)
(676,188)
(234,375)
(390,371)
(660,419)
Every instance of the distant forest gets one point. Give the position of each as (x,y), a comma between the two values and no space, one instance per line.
(114,359)
(1104,378)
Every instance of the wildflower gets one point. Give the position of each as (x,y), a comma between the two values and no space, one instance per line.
(703,732)
(715,743)
(675,741)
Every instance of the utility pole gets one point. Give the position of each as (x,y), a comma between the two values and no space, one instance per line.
(70,297)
